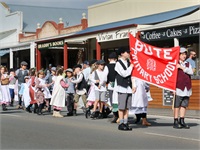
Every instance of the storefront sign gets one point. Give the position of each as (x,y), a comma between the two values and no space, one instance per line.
(171,32)
(154,65)
(114,35)
(51,44)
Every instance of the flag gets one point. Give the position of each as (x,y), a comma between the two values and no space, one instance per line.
(154,65)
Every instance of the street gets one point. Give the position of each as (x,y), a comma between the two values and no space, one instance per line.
(22,130)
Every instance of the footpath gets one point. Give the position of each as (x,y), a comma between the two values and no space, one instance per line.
(193,114)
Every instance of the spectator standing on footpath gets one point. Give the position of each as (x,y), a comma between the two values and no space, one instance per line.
(183,90)
(191,60)
(123,87)
(21,73)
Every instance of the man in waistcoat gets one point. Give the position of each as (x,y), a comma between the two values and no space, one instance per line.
(183,90)
(123,87)
(21,73)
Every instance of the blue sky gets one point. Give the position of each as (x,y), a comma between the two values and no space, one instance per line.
(56,3)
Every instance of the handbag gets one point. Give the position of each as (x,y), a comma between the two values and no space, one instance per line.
(5,81)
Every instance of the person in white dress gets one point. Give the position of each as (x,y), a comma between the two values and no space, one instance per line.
(5,98)
(24,93)
(59,94)
(139,100)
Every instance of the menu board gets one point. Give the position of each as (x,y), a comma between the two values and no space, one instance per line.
(167,98)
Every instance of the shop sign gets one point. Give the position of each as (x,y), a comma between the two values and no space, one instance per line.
(115,35)
(168,97)
(51,44)
(171,32)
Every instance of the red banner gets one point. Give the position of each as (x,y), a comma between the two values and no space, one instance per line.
(154,65)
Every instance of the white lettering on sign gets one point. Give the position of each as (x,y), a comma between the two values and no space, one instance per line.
(171,32)
(139,46)
(114,35)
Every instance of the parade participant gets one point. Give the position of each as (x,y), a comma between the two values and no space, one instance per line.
(58,95)
(21,73)
(24,93)
(123,87)
(99,78)
(183,90)
(139,101)
(5,98)
(80,87)
(13,81)
(112,58)
(91,94)
(33,101)
(191,60)
(41,83)
(70,92)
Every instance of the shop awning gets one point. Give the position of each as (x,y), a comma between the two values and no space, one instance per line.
(146,20)
(3,52)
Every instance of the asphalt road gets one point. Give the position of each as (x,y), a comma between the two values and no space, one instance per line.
(21,130)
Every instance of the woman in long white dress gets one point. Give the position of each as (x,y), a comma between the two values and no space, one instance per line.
(5,98)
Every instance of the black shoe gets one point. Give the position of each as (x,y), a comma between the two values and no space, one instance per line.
(100,116)
(123,127)
(74,112)
(182,123)
(114,120)
(87,112)
(177,124)
(28,110)
(70,114)
(128,127)
(94,115)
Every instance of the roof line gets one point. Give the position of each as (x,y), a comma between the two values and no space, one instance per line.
(44,6)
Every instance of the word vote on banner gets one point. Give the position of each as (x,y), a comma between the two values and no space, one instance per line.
(154,65)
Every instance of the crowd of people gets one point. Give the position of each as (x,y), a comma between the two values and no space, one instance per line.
(103,89)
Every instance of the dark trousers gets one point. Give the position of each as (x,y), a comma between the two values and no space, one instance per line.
(70,102)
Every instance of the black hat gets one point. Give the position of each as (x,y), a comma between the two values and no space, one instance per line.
(86,62)
(93,61)
(78,66)
(122,50)
(113,55)
(24,63)
(100,62)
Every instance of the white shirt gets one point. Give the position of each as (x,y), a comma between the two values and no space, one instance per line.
(78,79)
(102,78)
(86,73)
(124,73)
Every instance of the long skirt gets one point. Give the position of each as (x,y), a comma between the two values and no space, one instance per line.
(5,95)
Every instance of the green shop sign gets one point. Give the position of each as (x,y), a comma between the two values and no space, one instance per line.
(51,44)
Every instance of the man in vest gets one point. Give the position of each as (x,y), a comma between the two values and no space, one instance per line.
(123,87)
(21,73)
(183,90)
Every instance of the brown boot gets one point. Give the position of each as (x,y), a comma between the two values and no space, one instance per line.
(145,123)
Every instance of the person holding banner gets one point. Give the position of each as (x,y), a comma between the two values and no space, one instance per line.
(183,90)
(123,87)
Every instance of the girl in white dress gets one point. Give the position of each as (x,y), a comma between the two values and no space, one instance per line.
(5,98)
(139,100)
